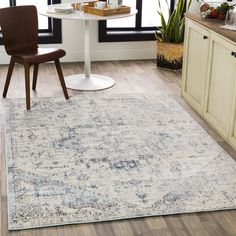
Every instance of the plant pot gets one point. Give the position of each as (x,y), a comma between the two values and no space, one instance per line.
(169,55)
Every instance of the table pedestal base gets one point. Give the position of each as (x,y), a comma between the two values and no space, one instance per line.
(93,83)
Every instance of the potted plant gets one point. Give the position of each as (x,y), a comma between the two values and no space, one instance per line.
(170,36)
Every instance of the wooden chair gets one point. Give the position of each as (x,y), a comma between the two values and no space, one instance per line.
(19,26)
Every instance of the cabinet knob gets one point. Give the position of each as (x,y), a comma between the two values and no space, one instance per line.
(233,54)
(205,37)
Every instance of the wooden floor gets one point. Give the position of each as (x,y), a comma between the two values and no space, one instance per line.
(131,77)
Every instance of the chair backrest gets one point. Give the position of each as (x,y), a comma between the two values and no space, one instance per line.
(19,26)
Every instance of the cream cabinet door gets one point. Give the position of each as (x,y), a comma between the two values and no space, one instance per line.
(232,131)
(196,50)
(220,84)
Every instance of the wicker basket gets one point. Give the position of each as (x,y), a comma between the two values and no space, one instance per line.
(170,55)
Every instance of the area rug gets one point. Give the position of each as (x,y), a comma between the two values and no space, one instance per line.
(107,157)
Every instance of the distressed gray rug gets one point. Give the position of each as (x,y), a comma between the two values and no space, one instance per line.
(107,157)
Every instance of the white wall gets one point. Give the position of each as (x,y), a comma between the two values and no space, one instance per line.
(194,6)
(72,42)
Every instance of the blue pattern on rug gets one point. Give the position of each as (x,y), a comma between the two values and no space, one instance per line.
(107,157)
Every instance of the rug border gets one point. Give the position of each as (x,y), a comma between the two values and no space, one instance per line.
(121,219)
(7,141)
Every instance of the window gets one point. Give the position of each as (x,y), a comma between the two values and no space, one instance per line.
(49,29)
(139,27)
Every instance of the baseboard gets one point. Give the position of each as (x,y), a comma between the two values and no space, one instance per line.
(111,55)
(100,55)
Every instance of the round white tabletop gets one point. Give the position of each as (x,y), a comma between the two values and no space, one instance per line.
(78,15)
(86,81)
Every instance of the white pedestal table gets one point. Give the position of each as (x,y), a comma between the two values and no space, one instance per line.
(87,81)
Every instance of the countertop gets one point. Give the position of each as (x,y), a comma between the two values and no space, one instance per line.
(213,25)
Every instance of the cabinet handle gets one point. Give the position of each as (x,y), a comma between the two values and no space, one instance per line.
(205,37)
(233,54)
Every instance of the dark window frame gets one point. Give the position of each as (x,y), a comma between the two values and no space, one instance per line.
(137,33)
(52,35)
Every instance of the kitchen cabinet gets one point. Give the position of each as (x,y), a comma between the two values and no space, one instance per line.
(232,128)
(195,65)
(220,84)
(209,75)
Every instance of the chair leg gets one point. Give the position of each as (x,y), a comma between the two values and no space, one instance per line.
(61,77)
(27,85)
(36,69)
(8,79)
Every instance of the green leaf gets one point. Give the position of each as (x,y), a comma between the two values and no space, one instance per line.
(173,29)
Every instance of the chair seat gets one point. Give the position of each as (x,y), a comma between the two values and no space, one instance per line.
(42,55)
